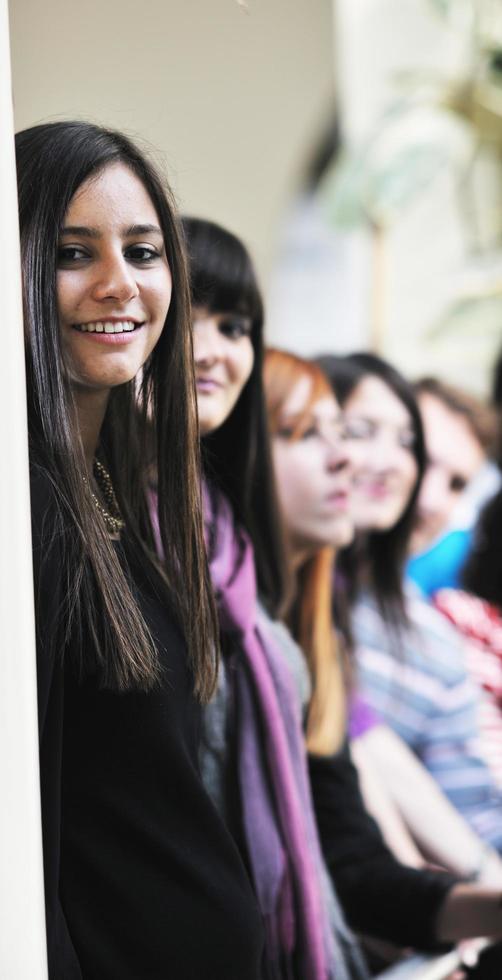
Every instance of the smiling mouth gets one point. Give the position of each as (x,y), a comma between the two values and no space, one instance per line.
(107,326)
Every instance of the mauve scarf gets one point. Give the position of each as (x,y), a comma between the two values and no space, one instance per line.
(277,813)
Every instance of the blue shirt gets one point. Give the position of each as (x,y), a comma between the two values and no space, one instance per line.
(440,567)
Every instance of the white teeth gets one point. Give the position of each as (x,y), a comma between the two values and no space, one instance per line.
(107,327)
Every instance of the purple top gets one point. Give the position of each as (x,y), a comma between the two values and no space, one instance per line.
(361,716)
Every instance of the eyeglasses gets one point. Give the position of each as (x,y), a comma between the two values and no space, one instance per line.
(357,427)
(308,426)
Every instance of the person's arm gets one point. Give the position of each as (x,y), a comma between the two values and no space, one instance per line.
(440,832)
(379,803)
(470,910)
(380,896)
(423,692)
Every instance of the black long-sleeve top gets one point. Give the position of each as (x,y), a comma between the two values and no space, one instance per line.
(380,896)
(143,881)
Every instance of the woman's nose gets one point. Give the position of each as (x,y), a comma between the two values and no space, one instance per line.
(116,280)
(338,457)
(386,454)
(208,343)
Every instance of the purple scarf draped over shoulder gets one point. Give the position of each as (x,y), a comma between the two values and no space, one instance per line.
(277,812)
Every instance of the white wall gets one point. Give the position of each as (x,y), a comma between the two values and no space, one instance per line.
(230,96)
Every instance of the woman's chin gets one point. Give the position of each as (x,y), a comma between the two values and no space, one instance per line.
(211,418)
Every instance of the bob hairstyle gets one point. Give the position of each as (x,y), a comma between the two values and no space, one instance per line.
(237,455)
(383,553)
(310,612)
(53,161)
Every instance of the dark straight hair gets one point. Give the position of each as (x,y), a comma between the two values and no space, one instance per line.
(53,161)
(237,455)
(482,572)
(380,554)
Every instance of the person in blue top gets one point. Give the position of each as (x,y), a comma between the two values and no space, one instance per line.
(459,478)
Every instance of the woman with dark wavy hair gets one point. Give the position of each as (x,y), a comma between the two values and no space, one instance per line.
(387,517)
(410,663)
(141,876)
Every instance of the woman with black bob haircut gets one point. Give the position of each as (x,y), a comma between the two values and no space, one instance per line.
(252,754)
(236,455)
(137,862)
(385,549)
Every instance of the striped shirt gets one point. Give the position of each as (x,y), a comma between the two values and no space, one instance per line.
(481,625)
(417,682)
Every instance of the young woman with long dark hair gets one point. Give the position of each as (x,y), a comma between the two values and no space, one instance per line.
(253,757)
(141,876)
(410,662)
(253,760)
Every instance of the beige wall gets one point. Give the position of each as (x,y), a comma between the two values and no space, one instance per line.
(230,97)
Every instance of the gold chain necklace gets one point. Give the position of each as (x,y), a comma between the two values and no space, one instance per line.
(111,513)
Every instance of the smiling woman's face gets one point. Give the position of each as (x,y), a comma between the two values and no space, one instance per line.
(312,472)
(113,280)
(454,456)
(379,443)
(224,359)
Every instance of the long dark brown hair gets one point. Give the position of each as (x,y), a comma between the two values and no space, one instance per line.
(53,161)
(380,555)
(237,455)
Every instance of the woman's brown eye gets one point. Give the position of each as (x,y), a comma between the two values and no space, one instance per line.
(141,254)
(309,433)
(235,328)
(70,253)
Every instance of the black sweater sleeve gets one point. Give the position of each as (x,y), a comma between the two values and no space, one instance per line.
(380,896)
(48,593)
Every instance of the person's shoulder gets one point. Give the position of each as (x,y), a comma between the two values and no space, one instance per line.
(438,644)
(430,623)
(367,622)
(475,618)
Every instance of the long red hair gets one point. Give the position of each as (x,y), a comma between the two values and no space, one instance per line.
(310,615)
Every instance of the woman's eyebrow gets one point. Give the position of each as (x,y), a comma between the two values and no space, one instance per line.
(83,231)
(143,230)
